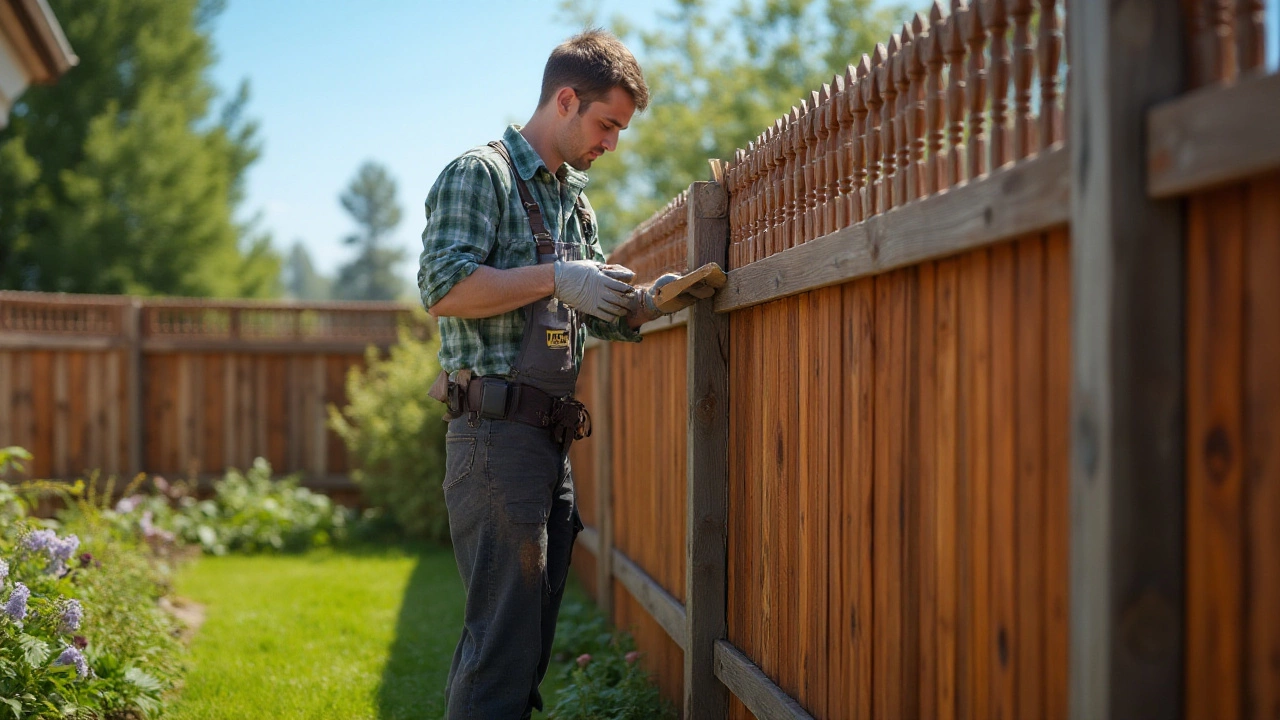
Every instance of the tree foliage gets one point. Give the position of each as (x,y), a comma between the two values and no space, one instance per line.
(371,201)
(300,278)
(716,83)
(123,177)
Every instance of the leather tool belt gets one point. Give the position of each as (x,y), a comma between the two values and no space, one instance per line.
(500,399)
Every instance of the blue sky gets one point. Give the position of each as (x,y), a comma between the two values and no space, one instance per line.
(408,83)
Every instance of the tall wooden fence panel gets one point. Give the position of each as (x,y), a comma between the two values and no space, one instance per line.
(1216,147)
(186,388)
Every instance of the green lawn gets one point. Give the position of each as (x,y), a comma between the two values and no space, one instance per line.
(329,634)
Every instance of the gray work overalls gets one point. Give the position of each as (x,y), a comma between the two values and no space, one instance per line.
(512,515)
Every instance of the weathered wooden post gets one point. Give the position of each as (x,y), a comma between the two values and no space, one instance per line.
(602,433)
(1127,456)
(705,698)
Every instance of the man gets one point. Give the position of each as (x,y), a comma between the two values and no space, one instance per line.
(514,282)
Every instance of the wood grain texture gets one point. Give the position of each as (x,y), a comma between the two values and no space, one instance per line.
(707,427)
(744,679)
(1213,136)
(1026,197)
(1127,477)
(656,601)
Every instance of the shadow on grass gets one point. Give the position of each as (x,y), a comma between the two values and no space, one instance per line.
(427,630)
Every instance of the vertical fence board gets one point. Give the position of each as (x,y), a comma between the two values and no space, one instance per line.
(975,468)
(1003,643)
(948,498)
(924,449)
(859,466)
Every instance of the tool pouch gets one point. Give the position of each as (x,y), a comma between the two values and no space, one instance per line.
(448,393)
(570,421)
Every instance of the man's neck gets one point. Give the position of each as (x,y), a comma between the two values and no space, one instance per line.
(538,134)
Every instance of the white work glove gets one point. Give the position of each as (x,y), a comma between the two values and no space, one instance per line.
(584,286)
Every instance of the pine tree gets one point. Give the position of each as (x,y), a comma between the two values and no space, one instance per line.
(123,177)
(371,201)
(300,279)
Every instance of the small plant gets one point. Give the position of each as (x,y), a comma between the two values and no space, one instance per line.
(395,434)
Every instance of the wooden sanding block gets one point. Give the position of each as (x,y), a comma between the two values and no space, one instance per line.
(700,284)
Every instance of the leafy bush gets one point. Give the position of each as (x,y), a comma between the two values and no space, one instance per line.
(249,512)
(395,434)
(81,632)
(602,671)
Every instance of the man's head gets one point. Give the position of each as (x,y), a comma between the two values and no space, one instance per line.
(591,87)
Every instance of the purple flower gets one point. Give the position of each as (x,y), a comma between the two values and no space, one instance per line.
(584,660)
(4,570)
(65,549)
(72,614)
(40,540)
(72,656)
(128,504)
(16,608)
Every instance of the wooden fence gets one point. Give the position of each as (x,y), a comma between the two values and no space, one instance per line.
(184,388)
(985,422)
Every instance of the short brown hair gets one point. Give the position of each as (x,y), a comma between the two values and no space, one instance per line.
(593,62)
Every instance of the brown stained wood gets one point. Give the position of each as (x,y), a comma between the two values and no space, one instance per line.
(79,421)
(1027,197)
(707,403)
(859,147)
(764,699)
(21,392)
(117,438)
(656,601)
(1030,428)
(857,479)
(1251,44)
(1057,471)
(1215,447)
(924,537)
(320,419)
(43,415)
(902,111)
(1222,45)
(916,111)
(213,410)
(1262,439)
(934,56)
(831,356)
(1128,344)
(60,417)
(954,47)
(837,124)
(890,475)
(875,137)
(788,148)
(1049,53)
(974,442)
(890,135)
(810,626)
(94,422)
(6,398)
(1005,633)
(1024,62)
(134,386)
(814,175)
(975,36)
(996,20)
(1213,136)
(947,491)
(789,506)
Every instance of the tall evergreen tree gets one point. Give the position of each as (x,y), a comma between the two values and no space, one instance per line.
(124,177)
(300,279)
(371,201)
(716,85)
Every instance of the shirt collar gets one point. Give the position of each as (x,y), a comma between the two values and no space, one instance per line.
(528,161)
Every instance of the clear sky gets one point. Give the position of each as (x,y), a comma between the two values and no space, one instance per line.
(408,83)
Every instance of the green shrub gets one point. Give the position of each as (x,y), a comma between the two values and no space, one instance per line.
(601,673)
(89,639)
(249,512)
(395,434)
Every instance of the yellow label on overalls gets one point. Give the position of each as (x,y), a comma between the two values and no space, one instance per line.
(558,339)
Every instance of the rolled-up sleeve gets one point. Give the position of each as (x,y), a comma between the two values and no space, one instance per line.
(462,215)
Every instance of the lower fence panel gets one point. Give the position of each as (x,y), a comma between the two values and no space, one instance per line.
(1233,452)
(659,654)
(898,488)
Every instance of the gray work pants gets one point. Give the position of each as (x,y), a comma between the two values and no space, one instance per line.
(509,491)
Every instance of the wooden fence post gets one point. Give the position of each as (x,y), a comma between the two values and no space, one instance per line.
(707,464)
(602,434)
(133,370)
(1127,455)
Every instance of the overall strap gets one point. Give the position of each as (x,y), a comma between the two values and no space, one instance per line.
(546,246)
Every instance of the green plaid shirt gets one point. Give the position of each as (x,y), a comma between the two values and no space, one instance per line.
(474,217)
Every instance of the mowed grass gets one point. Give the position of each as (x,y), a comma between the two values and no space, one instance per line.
(328,634)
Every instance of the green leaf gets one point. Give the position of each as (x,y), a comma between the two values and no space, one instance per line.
(13,705)
(34,650)
(143,681)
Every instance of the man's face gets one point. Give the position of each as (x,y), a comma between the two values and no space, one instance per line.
(588,135)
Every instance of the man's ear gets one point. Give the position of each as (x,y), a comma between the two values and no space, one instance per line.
(566,101)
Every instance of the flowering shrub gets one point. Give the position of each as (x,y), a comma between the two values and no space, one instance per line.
(249,512)
(81,634)
(602,671)
(395,434)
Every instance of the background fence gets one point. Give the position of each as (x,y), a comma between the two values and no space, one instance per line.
(984,422)
(184,388)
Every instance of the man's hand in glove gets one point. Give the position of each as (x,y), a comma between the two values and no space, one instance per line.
(651,303)
(584,286)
